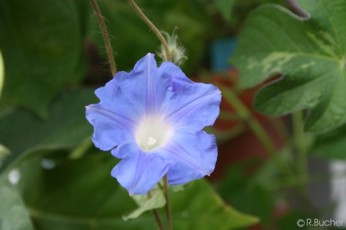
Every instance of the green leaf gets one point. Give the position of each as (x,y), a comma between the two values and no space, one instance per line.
(23,133)
(2,73)
(89,198)
(310,54)
(154,199)
(253,194)
(13,215)
(225,7)
(200,207)
(331,145)
(42,46)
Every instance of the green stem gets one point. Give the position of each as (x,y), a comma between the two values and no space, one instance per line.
(254,125)
(153,28)
(245,114)
(299,142)
(167,206)
(227,134)
(280,127)
(105,36)
(227,116)
(298,182)
(81,149)
(302,159)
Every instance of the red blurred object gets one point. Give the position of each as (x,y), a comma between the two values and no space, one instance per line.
(244,145)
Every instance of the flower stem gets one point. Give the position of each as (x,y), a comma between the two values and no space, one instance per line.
(105,36)
(152,27)
(81,149)
(156,216)
(168,206)
(158,219)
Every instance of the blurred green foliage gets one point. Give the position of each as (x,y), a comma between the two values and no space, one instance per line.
(80,194)
(42,47)
(51,50)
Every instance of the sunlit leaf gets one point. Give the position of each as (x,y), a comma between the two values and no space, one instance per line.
(153,200)
(310,54)
(13,215)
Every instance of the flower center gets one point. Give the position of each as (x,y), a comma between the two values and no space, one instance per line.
(152,132)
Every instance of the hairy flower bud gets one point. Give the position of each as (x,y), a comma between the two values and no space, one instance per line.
(176,51)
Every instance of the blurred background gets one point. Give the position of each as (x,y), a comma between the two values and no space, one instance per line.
(54,57)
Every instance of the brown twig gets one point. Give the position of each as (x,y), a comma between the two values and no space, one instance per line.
(105,36)
(152,27)
(168,206)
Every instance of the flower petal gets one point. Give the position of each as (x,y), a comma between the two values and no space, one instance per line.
(137,108)
(145,85)
(115,98)
(125,149)
(187,103)
(110,129)
(140,172)
(192,155)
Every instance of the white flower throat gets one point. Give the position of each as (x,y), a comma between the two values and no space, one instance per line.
(152,132)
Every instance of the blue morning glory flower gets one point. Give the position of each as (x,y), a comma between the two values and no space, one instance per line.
(152,118)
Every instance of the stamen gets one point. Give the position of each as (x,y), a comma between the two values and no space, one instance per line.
(152,132)
(151,141)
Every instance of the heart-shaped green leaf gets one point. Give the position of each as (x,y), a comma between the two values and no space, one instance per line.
(310,53)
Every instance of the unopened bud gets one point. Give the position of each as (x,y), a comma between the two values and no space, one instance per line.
(176,51)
